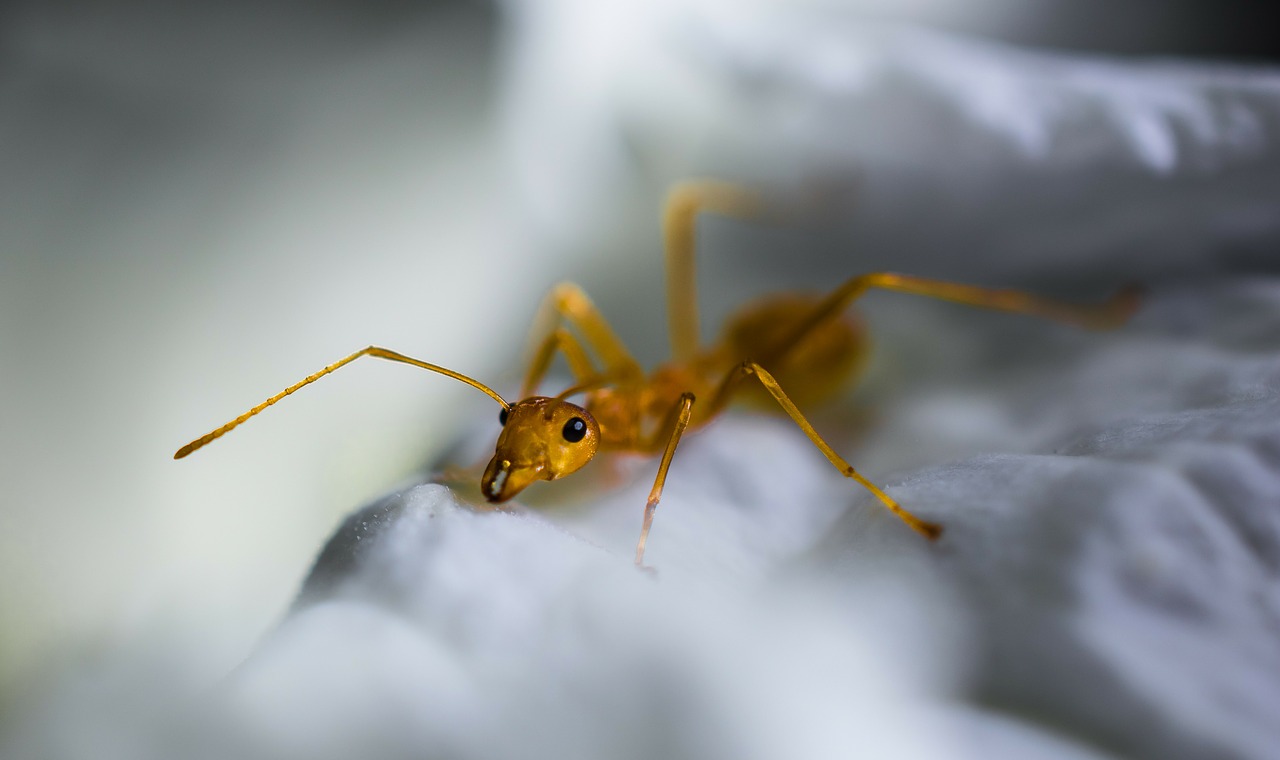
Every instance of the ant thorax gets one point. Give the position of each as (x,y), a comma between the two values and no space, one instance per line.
(618,412)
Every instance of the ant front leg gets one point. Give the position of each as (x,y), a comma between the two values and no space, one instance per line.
(675,427)
(586,377)
(569,303)
(559,339)
(927,529)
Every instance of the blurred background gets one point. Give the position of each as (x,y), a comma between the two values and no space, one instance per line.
(202,203)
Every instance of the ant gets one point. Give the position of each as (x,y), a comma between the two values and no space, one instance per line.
(809,344)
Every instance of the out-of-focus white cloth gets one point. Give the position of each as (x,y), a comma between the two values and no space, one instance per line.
(1107,582)
(928,153)
(1108,570)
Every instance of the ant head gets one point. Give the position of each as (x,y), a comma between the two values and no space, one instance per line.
(542,439)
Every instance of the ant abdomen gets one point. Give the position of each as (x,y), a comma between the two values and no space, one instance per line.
(813,368)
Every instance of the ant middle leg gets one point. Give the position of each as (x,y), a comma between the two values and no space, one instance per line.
(925,528)
(684,202)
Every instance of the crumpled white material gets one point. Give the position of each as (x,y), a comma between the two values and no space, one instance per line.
(928,153)
(1112,501)
(1107,582)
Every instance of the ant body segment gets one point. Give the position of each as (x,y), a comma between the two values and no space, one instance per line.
(809,344)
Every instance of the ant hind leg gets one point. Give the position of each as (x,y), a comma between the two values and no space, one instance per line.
(1111,313)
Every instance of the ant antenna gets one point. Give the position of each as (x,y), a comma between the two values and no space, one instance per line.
(381,353)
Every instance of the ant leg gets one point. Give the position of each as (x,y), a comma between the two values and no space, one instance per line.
(675,427)
(381,353)
(684,202)
(1113,312)
(561,340)
(927,529)
(568,303)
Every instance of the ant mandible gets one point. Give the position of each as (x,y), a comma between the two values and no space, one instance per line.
(807,343)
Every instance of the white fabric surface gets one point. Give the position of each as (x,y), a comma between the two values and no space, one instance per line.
(1108,573)
(1107,585)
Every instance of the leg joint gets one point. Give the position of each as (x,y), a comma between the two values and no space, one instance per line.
(570,299)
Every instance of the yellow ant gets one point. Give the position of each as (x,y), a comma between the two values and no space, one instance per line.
(807,343)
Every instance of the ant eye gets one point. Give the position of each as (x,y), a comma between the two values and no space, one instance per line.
(502,417)
(574,430)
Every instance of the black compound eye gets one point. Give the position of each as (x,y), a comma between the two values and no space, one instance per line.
(574,430)
(502,417)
